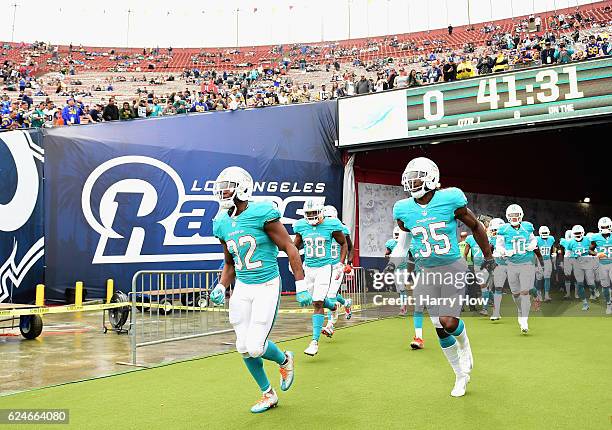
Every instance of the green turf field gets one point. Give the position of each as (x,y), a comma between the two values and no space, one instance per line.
(557,377)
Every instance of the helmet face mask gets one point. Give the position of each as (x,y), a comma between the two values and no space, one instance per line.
(420,176)
(233,183)
(544,232)
(396,233)
(514,215)
(313,211)
(578,232)
(605,225)
(494,225)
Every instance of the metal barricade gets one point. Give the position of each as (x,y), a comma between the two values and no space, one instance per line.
(354,288)
(169,306)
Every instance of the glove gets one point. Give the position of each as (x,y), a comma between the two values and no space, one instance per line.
(348,268)
(304,298)
(218,295)
(489,264)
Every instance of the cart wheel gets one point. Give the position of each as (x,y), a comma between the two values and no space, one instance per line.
(203,301)
(193,299)
(118,316)
(165,306)
(31,326)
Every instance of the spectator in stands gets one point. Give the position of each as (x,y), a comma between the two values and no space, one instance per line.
(71,113)
(323,93)
(465,69)
(547,55)
(450,30)
(391,79)
(434,73)
(501,63)
(381,83)
(362,86)
(449,70)
(538,23)
(413,80)
(126,112)
(95,113)
(111,112)
(27,97)
(563,54)
(37,118)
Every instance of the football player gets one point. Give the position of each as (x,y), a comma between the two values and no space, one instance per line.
(339,270)
(430,215)
(584,265)
(567,260)
(500,274)
(546,245)
(601,247)
(316,234)
(516,241)
(481,274)
(251,235)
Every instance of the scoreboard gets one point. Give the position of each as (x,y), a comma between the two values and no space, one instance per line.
(520,98)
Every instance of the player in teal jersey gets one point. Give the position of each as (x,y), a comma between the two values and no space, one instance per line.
(584,265)
(251,235)
(601,247)
(482,276)
(516,242)
(546,245)
(568,261)
(316,234)
(340,269)
(500,274)
(430,215)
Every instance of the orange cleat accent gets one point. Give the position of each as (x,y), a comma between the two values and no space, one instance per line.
(417,343)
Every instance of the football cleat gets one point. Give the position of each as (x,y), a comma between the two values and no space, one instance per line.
(417,343)
(347,308)
(524,326)
(328,330)
(609,309)
(403,311)
(547,298)
(334,314)
(312,349)
(484,312)
(493,318)
(466,359)
(286,372)
(461,381)
(268,400)
(585,306)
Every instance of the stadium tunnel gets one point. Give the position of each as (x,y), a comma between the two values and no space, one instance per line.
(549,170)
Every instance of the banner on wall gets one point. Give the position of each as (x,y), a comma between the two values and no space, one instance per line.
(21,215)
(124,197)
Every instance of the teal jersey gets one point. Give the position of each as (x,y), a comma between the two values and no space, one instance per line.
(603,245)
(433,227)
(517,239)
(318,241)
(563,243)
(499,261)
(545,246)
(254,253)
(390,244)
(336,246)
(477,255)
(579,249)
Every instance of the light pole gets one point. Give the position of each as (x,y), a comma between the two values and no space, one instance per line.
(237,12)
(127,35)
(14,5)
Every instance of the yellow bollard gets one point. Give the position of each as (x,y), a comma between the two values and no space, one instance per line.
(78,295)
(40,295)
(110,289)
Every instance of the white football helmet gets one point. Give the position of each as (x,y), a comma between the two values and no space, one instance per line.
(604,225)
(313,211)
(233,182)
(396,232)
(578,232)
(420,176)
(568,234)
(514,214)
(544,232)
(330,212)
(494,225)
